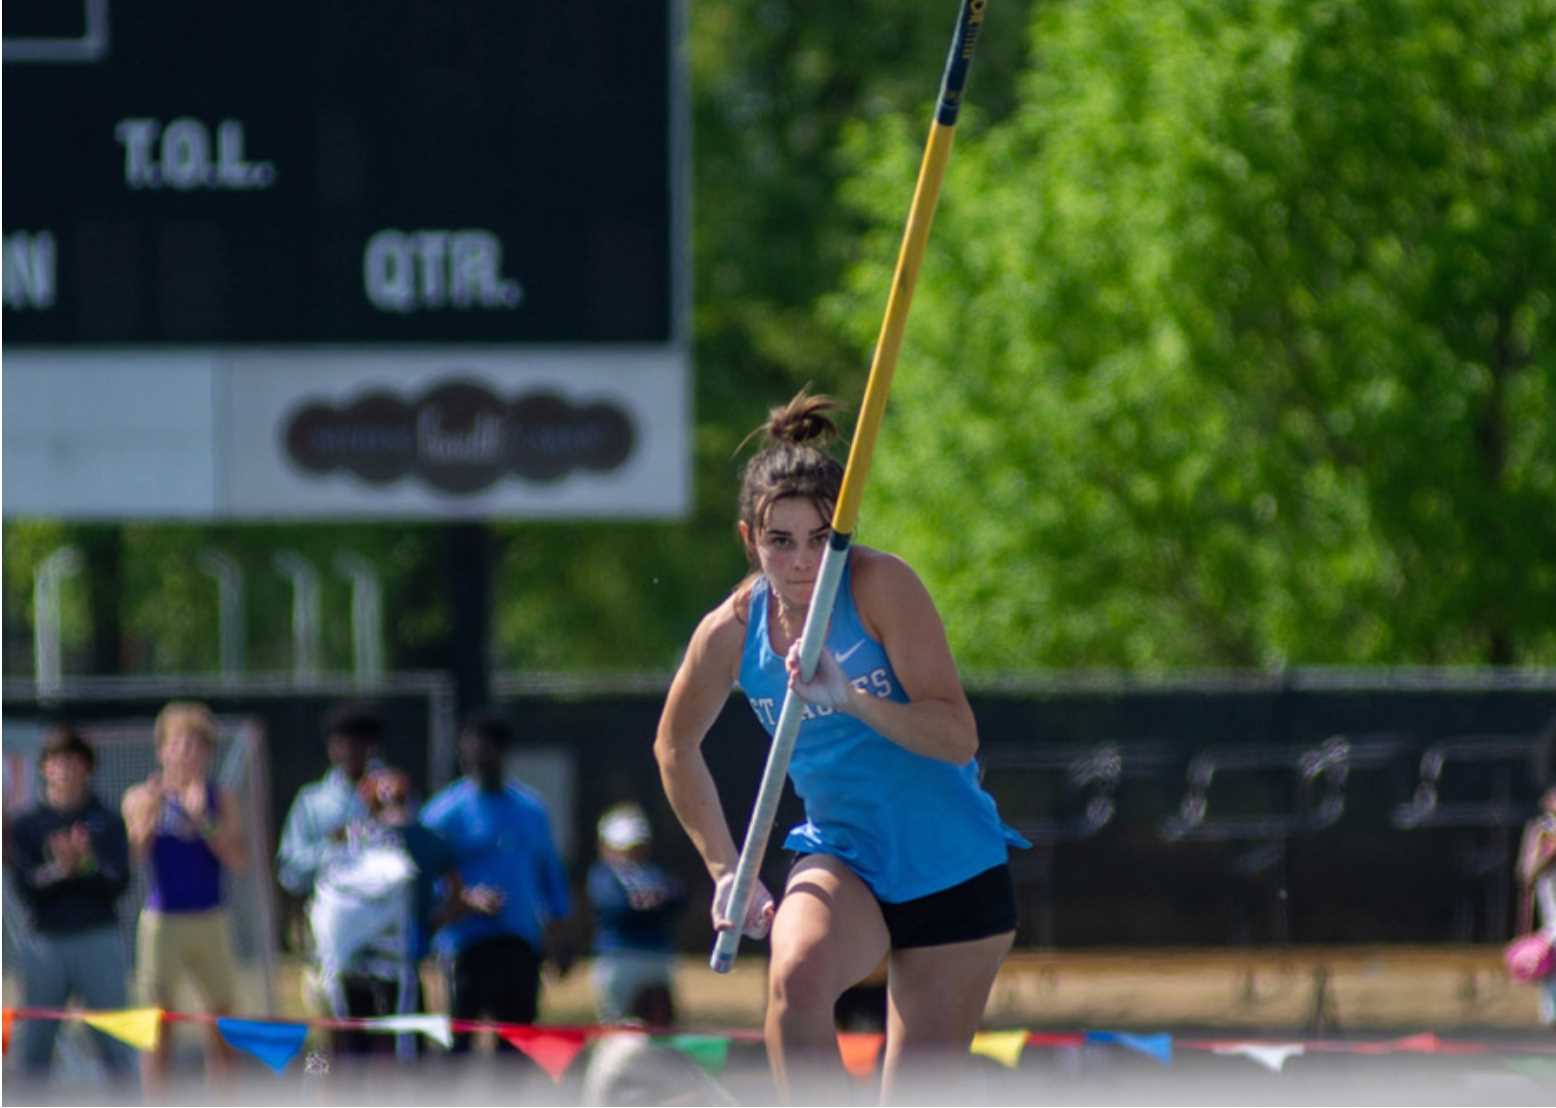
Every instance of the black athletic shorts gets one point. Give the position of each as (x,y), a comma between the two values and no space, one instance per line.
(981,906)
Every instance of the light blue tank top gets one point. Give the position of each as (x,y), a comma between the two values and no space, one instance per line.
(907,824)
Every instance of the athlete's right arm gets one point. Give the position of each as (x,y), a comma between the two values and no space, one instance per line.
(696,697)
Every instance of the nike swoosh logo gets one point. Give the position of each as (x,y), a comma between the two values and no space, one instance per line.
(849,653)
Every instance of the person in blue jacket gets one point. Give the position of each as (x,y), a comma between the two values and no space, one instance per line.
(902,854)
(514,889)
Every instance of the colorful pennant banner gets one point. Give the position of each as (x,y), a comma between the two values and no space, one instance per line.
(276,1043)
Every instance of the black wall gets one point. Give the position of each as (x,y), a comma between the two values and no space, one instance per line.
(1361,878)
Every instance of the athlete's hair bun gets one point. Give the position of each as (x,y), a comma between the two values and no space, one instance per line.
(804,419)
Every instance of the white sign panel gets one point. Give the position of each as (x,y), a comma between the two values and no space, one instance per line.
(125,434)
(303,432)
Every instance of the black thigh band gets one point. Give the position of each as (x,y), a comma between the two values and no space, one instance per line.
(977,908)
(981,906)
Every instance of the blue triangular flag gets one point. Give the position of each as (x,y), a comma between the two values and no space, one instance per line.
(1158,1046)
(274,1044)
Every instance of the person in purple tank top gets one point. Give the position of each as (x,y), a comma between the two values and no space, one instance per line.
(185,829)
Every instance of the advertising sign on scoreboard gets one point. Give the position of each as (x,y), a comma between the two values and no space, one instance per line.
(336,252)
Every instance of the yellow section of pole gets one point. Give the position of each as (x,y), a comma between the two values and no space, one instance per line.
(915,237)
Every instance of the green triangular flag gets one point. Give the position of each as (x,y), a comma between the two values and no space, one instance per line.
(711,1052)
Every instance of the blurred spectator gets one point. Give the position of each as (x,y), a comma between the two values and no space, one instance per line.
(635,904)
(70,859)
(315,832)
(514,886)
(1537,875)
(321,811)
(388,796)
(185,829)
(372,906)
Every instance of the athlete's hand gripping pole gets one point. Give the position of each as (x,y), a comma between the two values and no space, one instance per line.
(914,238)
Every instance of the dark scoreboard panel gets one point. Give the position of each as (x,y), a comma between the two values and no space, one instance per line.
(344,171)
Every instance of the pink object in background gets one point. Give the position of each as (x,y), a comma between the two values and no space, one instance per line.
(1530,958)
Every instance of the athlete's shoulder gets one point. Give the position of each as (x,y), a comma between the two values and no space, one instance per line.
(888,593)
(879,572)
(720,637)
(727,621)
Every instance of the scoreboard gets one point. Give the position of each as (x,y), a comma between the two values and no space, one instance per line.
(346,171)
(344,258)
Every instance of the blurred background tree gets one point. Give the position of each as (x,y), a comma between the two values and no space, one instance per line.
(1237,347)
(1234,347)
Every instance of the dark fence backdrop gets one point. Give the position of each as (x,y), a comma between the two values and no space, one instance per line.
(1313,808)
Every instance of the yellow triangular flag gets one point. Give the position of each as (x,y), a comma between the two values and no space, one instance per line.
(140,1027)
(1003,1046)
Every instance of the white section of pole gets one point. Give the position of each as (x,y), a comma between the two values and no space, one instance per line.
(812,638)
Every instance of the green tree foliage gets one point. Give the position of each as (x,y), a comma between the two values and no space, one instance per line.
(1235,345)
(774,84)
(167,604)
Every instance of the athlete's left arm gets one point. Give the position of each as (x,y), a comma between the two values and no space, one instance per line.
(896,608)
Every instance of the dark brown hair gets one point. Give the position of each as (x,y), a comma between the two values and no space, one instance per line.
(65,741)
(355,720)
(794,462)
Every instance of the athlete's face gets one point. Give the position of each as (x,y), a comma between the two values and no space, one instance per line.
(789,547)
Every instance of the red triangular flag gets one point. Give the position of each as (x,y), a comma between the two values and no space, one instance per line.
(552,1050)
(5,1033)
(860,1049)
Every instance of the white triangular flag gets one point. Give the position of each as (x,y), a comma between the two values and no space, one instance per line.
(437,1028)
(1271,1056)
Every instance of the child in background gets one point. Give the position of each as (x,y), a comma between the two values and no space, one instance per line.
(372,911)
(635,905)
